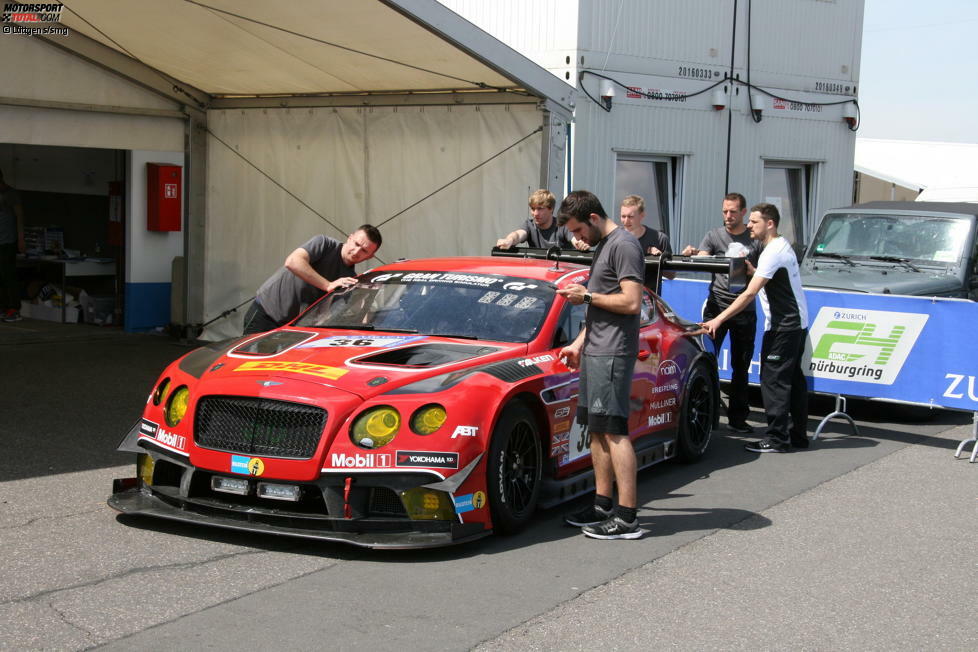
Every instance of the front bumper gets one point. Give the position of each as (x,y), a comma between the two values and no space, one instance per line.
(364,532)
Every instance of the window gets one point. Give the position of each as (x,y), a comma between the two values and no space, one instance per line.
(654,178)
(570,324)
(790,187)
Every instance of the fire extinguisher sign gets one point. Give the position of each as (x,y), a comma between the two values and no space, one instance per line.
(170,190)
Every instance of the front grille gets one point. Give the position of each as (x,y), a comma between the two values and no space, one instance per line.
(384,502)
(256,426)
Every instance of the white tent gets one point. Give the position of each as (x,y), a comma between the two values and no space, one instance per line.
(945,171)
(307,117)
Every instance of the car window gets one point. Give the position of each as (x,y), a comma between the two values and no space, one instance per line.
(570,324)
(916,237)
(457,304)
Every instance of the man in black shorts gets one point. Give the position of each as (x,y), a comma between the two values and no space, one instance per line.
(784,388)
(319,266)
(605,352)
(733,240)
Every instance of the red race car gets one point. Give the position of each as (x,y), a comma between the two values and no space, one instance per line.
(425,406)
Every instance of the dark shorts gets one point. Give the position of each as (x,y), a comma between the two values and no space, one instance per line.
(605,385)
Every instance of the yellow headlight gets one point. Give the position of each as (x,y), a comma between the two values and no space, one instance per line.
(159,395)
(176,407)
(376,427)
(427,419)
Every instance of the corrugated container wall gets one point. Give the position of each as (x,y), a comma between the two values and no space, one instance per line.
(803,58)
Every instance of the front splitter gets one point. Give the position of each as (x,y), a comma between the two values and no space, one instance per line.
(137,502)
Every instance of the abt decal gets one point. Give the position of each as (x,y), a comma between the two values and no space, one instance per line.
(465,431)
(360,460)
(865,346)
(426,459)
(958,384)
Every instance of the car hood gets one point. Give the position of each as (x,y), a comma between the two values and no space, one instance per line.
(880,280)
(362,363)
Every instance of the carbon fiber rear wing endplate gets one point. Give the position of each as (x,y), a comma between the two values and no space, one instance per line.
(736,268)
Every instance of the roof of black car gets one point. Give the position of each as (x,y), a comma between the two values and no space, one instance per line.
(965,208)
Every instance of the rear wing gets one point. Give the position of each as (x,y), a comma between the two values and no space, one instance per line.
(735,268)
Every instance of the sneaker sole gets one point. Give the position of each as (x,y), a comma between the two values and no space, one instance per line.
(581,524)
(764,450)
(637,534)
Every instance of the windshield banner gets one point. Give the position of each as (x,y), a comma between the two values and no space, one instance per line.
(915,349)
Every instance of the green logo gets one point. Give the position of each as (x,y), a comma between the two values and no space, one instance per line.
(831,346)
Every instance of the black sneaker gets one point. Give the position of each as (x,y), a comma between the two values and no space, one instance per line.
(743,427)
(614,528)
(797,442)
(590,515)
(769,445)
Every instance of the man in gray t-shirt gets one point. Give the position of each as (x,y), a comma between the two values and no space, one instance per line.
(732,239)
(541,230)
(605,352)
(319,266)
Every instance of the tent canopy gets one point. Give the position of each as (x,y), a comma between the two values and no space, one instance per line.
(230,49)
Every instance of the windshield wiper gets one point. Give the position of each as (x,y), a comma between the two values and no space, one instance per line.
(351,327)
(393,330)
(897,259)
(829,254)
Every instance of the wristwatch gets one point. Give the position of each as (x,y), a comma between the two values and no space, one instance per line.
(587,298)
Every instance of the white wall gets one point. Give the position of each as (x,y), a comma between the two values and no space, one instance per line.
(350,166)
(149,254)
(799,49)
(37,72)
(73,170)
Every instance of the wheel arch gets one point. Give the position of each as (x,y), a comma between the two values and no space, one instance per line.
(709,363)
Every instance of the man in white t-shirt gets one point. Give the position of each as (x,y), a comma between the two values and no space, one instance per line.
(784,388)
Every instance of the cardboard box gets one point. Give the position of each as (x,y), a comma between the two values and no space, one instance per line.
(48,313)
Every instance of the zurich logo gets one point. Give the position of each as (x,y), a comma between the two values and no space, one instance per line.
(268,383)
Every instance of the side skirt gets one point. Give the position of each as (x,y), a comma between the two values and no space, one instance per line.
(649,451)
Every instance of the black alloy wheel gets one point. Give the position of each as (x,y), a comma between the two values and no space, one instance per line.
(697,415)
(514,469)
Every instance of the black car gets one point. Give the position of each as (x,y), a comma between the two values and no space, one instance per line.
(910,248)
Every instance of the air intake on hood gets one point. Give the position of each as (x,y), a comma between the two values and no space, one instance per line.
(426,355)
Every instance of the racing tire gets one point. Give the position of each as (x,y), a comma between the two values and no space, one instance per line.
(515,469)
(697,414)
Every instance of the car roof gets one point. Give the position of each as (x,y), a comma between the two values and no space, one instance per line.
(539,270)
(964,208)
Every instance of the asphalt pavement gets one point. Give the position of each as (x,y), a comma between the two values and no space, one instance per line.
(861,542)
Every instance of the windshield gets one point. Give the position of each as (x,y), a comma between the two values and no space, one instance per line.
(473,306)
(912,237)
